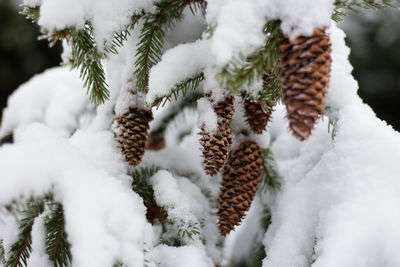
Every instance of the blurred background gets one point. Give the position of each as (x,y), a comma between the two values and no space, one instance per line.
(373,36)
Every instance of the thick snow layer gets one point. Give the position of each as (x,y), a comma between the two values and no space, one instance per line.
(177,64)
(339,198)
(106,16)
(165,256)
(84,176)
(56,98)
(239,24)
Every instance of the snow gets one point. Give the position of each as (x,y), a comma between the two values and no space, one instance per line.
(56,98)
(207,119)
(38,256)
(181,257)
(177,64)
(106,16)
(239,24)
(339,194)
(100,230)
(339,197)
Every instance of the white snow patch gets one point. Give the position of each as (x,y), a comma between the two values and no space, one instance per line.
(206,116)
(177,64)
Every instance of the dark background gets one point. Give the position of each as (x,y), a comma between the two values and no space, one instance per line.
(374,38)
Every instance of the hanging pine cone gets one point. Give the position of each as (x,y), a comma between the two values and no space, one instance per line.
(306,64)
(133,131)
(241,176)
(216,147)
(256,117)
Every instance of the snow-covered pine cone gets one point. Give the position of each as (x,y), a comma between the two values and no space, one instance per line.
(241,176)
(215,147)
(306,64)
(132,135)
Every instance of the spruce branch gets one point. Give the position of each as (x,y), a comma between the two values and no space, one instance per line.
(183,88)
(269,175)
(140,184)
(242,72)
(87,59)
(149,50)
(2,252)
(21,249)
(31,13)
(356,5)
(57,245)
(187,101)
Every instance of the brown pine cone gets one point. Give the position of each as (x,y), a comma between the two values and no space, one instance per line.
(133,131)
(256,117)
(241,176)
(216,147)
(306,64)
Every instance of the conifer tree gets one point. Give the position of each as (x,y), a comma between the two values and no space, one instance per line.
(125,177)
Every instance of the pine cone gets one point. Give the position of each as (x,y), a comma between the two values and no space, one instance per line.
(241,176)
(256,117)
(306,63)
(133,131)
(155,142)
(216,147)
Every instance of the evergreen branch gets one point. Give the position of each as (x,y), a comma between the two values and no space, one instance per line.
(88,60)
(31,13)
(171,113)
(149,50)
(21,249)
(183,88)
(151,39)
(141,185)
(57,245)
(269,176)
(356,5)
(2,252)
(243,72)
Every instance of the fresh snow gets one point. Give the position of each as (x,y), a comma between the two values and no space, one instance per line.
(177,64)
(106,16)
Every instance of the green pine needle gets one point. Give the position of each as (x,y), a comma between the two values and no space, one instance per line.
(2,252)
(149,50)
(140,183)
(87,59)
(356,5)
(181,89)
(57,245)
(31,13)
(269,176)
(21,249)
